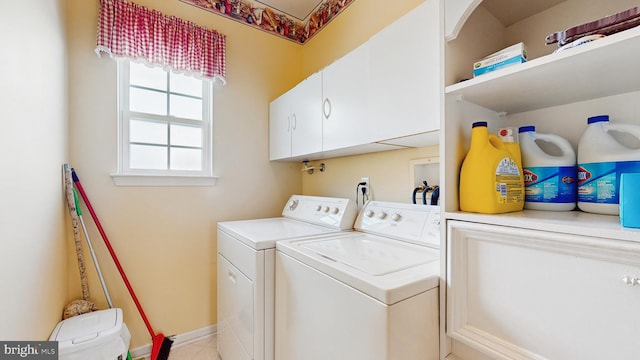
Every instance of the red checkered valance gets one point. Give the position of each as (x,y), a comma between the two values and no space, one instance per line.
(128,30)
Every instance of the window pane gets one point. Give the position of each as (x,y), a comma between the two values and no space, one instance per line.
(186,135)
(186,159)
(147,157)
(142,75)
(148,132)
(184,84)
(147,101)
(185,107)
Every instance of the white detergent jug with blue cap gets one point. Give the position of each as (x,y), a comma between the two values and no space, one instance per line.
(602,159)
(549,178)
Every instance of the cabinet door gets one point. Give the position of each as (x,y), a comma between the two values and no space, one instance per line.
(530,294)
(235,312)
(280,127)
(406,86)
(306,121)
(344,85)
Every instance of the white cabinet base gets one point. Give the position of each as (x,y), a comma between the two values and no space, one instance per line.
(529,294)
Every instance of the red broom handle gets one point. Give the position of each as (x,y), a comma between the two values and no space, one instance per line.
(76,181)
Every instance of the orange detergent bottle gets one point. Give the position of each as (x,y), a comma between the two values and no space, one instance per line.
(491,178)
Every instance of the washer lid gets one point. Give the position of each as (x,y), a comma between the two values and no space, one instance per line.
(374,257)
(262,234)
(386,269)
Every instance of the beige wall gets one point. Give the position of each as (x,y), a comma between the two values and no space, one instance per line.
(357,23)
(389,174)
(33,246)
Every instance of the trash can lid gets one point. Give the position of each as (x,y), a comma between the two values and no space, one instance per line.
(88,327)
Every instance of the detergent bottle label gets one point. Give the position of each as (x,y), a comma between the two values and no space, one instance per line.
(508,182)
(550,184)
(600,182)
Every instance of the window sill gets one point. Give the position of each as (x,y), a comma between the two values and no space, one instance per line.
(163,180)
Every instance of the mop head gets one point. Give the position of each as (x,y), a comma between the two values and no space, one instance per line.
(78,307)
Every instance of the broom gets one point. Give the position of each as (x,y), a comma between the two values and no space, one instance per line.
(94,257)
(161,345)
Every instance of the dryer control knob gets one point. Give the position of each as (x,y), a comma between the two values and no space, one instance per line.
(326,209)
(369,213)
(318,208)
(396,217)
(335,210)
(293,204)
(382,215)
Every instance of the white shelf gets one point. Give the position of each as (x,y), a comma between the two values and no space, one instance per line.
(605,67)
(568,222)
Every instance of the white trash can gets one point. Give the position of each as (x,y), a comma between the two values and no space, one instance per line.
(99,335)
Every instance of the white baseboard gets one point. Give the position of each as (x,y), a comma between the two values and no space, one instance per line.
(178,340)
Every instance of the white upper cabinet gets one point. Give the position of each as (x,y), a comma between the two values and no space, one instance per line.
(386,94)
(405,89)
(295,118)
(280,112)
(344,106)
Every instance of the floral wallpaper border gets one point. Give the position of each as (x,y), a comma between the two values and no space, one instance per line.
(267,19)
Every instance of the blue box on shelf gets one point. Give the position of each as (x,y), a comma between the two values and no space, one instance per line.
(514,54)
(630,200)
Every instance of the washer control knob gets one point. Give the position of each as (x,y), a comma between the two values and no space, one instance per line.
(382,216)
(396,217)
(326,209)
(369,213)
(335,210)
(293,204)
(318,208)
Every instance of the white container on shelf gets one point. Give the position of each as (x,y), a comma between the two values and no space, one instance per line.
(549,179)
(602,158)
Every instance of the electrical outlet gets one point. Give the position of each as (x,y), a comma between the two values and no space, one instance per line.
(367,184)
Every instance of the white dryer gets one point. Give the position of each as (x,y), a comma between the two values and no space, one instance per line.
(371,294)
(246,273)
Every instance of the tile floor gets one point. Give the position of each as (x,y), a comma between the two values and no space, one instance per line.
(200,349)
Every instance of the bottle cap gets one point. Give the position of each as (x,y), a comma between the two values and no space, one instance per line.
(479,123)
(527,129)
(599,118)
(508,134)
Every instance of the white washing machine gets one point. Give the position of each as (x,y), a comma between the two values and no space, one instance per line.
(371,294)
(246,273)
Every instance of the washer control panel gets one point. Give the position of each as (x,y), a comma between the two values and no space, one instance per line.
(339,213)
(418,224)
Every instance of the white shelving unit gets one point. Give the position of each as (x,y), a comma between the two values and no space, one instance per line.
(493,261)
(592,72)
(601,68)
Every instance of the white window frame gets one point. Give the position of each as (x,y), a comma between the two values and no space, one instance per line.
(142,177)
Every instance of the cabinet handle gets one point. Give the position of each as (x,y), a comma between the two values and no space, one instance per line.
(326,104)
(232,277)
(295,121)
(288,123)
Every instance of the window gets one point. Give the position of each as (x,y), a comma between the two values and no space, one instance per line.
(164,127)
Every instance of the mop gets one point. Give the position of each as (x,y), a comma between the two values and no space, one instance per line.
(84,305)
(161,345)
(93,253)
